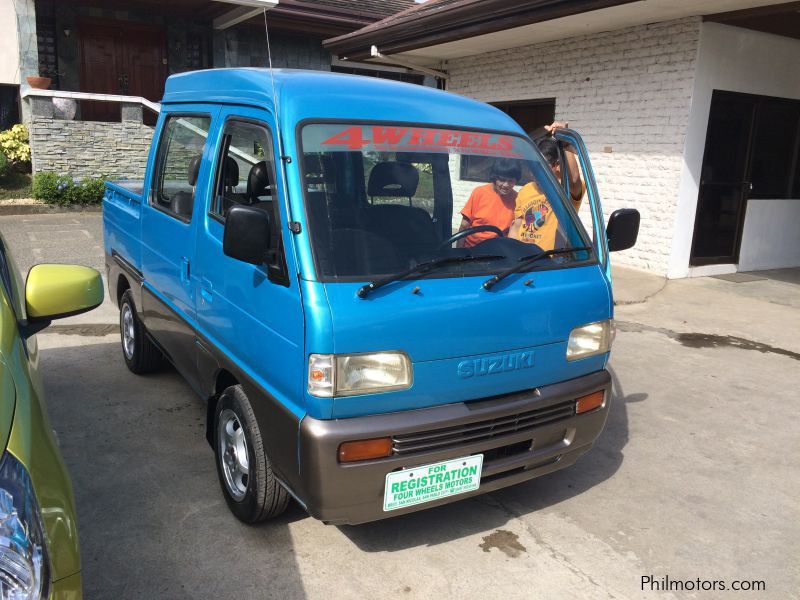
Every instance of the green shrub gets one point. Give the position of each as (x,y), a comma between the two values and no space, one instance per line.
(92,190)
(14,144)
(5,166)
(63,189)
(45,187)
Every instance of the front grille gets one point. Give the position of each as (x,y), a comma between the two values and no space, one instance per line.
(447,437)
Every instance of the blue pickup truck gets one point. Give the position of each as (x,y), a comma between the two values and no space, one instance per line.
(294,251)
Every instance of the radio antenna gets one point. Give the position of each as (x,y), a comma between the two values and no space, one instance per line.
(293,226)
(271,74)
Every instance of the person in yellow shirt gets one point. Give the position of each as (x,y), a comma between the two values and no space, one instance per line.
(534,219)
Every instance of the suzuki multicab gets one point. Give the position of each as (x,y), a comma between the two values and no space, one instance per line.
(294,252)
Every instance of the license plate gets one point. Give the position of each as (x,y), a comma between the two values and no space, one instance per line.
(431,482)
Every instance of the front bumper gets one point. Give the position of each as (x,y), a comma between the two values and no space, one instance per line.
(522,436)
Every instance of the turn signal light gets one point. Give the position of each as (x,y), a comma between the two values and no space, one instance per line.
(365,449)
(590,402)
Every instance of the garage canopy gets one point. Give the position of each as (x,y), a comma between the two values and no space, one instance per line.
(438,30)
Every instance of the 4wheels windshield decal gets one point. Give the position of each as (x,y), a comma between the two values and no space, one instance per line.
(397,138)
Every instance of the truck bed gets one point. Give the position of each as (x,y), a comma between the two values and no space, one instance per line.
(122,209)
(127,186)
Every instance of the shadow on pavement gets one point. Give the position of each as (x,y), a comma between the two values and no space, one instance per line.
(492,511)
(152,520)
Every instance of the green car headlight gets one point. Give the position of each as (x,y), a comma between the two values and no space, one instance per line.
(23,563)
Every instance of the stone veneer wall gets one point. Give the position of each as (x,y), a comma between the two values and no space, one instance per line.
(628,92)
(89,148)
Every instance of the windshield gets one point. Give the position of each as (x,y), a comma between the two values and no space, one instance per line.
(381,199)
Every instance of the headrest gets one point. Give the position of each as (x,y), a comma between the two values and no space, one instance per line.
(194,170)
(258,181)
(393,179)
(230,171)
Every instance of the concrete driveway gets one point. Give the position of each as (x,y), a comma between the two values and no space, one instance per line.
(695,476)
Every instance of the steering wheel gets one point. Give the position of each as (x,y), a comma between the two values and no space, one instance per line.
(469,231)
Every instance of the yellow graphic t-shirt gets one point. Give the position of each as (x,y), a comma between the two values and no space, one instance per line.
(539,224)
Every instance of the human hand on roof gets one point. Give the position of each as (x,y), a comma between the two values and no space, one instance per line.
(551,129)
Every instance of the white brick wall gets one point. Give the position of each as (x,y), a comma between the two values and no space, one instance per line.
(629,90)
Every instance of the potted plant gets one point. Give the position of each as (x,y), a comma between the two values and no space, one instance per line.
(38,82)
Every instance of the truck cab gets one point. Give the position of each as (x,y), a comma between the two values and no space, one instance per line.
(295,252)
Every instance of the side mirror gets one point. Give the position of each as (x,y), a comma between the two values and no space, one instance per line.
(623,229)
(247,234)
(58,291)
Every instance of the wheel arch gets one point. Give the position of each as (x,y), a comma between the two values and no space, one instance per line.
(123,285)
(123,276)
(222,381)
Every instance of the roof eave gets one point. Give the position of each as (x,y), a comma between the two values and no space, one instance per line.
(458,22)
(310,17)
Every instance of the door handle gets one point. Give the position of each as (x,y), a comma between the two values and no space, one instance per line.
(185,270)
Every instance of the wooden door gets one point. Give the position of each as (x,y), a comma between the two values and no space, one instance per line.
(142,58)
(100,68)
(120,58)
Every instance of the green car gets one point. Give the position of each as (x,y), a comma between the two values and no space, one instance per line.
(38,531)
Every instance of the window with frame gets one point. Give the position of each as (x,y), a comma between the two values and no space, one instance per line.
(531,115)
(381,198)
(246,177)
(179,157)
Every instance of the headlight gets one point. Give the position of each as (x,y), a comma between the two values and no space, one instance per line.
(350,374)
(591,339)
(23,565)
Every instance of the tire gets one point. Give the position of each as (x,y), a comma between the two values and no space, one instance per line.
(140,354)
(252,492)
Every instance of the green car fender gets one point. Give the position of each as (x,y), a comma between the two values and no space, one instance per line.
(26,433)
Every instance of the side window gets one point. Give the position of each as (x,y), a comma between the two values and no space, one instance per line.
(178,164)
(246,176)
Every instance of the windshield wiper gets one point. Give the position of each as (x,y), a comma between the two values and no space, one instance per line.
(422,267)
(529,260)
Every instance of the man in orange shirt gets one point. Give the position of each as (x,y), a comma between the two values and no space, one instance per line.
(534,219)
(492,203)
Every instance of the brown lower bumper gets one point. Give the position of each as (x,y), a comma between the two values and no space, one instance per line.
(521,436)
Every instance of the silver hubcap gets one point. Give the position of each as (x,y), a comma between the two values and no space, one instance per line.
(233,454)
(127,331)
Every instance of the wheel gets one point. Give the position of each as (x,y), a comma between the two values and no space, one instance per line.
(140,354)
(245,473)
